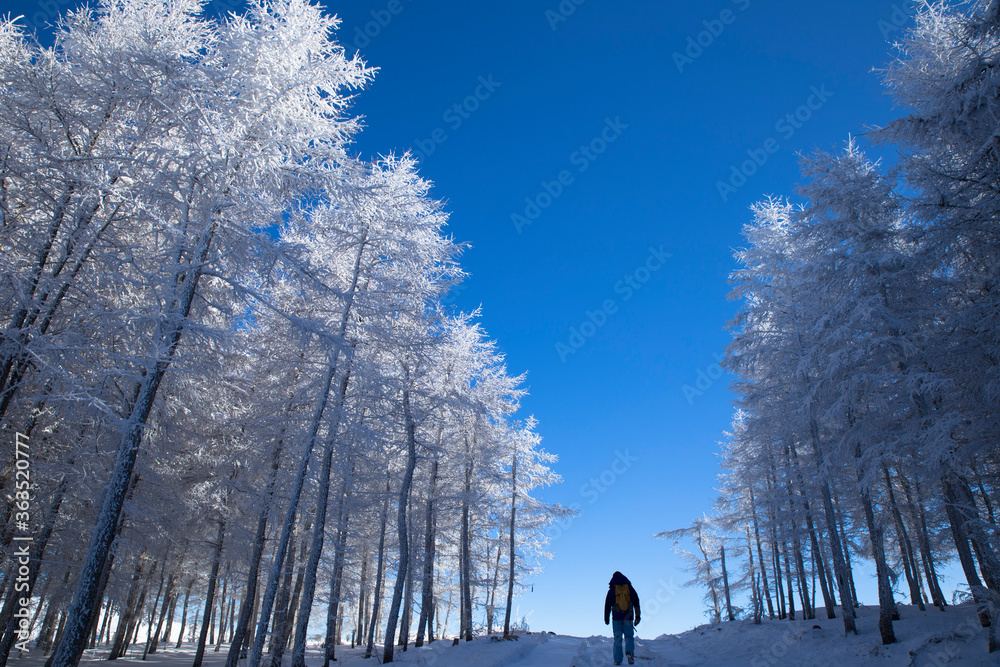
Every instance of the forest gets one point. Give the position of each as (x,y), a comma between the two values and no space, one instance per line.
(233,396)
(865,356)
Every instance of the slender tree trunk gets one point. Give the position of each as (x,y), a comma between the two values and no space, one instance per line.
(466,559)
(725,584)
(760,556)
(404,542)
(133,626)
(184,613)
(279,635)
(319,529)
(236,648)
(828,599)
(169,617)
(223,618)
(118,648)
(800,574)
(37,551)
(982,493)
(152,612)
(755,601)
(886,604)
(923,544)
(167,337)
(359,625)
(427,594)
(296,491)
(404,620)
(840,568)
(105,624)
(336,582)
(788,581)
(905,546)
(855,602)
(957,522)
(778,585)
(290,619)
(512,547)
(379,570)
(210,595)
(49,624)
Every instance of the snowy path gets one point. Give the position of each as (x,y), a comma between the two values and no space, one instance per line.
(556,652)
(649,653)
(925,639)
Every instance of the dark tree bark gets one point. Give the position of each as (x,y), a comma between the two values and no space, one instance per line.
(213,577)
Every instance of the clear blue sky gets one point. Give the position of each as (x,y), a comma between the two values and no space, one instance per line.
(631,142)
(654,185)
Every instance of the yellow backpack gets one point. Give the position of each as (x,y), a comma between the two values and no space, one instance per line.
(623,598)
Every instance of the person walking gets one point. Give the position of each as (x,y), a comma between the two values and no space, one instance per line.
(621,604)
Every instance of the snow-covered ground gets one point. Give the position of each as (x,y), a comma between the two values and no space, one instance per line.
(929,638)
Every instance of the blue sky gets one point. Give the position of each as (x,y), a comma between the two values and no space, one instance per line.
(641,139)
(580,148)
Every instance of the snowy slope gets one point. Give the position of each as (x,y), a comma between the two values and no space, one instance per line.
(926,638)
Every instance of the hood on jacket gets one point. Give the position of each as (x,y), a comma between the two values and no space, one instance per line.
(617,579)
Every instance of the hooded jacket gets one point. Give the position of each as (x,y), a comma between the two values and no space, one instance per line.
(611,609)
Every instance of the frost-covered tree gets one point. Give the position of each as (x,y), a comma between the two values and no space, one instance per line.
(211,310)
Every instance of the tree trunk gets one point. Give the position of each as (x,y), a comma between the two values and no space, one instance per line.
(828,599)
(236,648)
(279,634)
(169,617)
(319,528)
(511,546)
(788,581)
(223,618)
(184,614)
(905,546)
(268,601)
(118,648)
(427,593)
(213,577)
(957,522)
(167,340)
(152,612)
(336,582)
(918,516)
(465,579)
(404,543)
(778,583)
(379,570)
(886,604)
(293,606)
(839,561)
(404,620)
(725,584)
(37,551)
(360,624)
